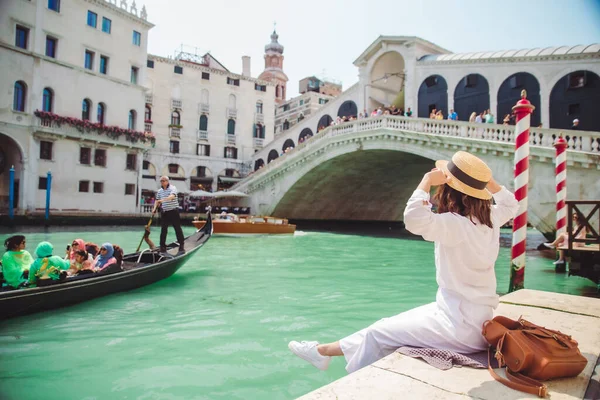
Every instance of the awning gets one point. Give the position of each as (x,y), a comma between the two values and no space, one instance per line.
(229,179)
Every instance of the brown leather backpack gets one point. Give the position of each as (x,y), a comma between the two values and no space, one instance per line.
(531,354)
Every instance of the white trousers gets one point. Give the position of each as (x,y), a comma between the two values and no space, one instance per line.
(450,323)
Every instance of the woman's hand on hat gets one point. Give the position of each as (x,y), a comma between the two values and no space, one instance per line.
(436,177)
(493,186)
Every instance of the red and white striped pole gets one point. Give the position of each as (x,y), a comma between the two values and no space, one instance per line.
(523,111)
(561,185)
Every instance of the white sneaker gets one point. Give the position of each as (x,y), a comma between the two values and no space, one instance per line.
(549,245)
(308,352)
(558,262)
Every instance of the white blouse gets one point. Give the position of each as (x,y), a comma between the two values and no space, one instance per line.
(465,252)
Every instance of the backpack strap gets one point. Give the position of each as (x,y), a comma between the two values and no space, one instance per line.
(517,381)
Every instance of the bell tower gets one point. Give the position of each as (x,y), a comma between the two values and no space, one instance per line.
(274,68)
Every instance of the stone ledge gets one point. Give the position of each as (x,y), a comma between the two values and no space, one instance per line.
(397,376)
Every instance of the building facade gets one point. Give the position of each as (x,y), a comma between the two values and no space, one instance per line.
(292,111)
(207,122)
(72,103)
(323,86)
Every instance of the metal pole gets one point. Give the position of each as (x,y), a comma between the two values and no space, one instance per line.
(48,189)
(523,110)
(11,192)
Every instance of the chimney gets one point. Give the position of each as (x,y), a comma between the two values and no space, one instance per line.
(245,66)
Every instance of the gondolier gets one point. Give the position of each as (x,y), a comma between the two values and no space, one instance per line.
(166,199)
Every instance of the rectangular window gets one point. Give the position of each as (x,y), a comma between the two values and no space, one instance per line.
(577,80)
(174,146)
(146,165)
(137,38)
(206,76)
(92,19)
(131,163)
(42,183)
(234,82)
(51,46)
(301,103)
(106,25)
(150,63)
(54,5)
(89,60)
(85,156)
(21,37)
(173,168)
(200,172)
(471,80)
(134,75)
(260,88)
(230,152)
(84,186)
(98,187)
(323,101)
(178,69)
(286,107)
(103,65)
(100,157)
(46,150)
(129,189)
(203,150)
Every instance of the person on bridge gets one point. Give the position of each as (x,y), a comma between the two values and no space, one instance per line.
(466,233)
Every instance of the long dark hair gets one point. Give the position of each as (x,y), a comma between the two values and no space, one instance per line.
(118,254)
(13,242)
(451,200)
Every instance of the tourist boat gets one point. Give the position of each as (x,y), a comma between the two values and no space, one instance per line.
(242,225)
(139,269)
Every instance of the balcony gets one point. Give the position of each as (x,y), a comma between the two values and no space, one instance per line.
(203,108)
(230,139)
(259,143)
(231,112)
(175,133)
(149,98)
(259,118)
(201,135)
(176,104)
(148,127)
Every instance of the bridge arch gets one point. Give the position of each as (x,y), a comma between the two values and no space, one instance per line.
(575,95)
(348,109)
(258,164)
(305,134)
(273,155)
(324,122)
(472,94)
(288,144)
(433,93)
(387,81)
(510,92)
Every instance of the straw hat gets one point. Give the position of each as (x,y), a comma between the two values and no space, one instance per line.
(468,174)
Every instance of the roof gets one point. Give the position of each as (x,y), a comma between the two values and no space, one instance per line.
(537,52)
(377,44)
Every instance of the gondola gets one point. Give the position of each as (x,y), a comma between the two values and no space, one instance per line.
(139,269)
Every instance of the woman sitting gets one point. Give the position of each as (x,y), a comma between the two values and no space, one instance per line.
(47,268)
(76,246)
(109,260)
(92,249)
(563,240)
(80,263)
(16,261)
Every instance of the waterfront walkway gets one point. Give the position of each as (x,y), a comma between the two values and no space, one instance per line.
(402,377)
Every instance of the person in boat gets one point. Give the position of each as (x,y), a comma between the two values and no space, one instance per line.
(16,261)
(81,262)
(466,233)
(109,259)
(47,268)
(166,199)
(77,246)
(92,249)
(563,240)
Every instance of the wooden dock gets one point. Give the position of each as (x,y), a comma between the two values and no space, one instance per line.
(400,377)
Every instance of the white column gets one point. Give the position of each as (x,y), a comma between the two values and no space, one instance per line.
(544,104)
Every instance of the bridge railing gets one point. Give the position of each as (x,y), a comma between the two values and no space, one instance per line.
(586,141)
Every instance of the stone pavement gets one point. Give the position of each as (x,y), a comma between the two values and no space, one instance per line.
(400,377)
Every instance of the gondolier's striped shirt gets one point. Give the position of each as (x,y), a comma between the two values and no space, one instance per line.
(163,194)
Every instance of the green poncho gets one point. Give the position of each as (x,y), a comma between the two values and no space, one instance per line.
(13,265)
(46,266)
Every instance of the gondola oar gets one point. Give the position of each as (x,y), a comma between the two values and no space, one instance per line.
(146,227)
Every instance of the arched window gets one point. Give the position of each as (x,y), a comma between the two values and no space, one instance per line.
(203,123)
(19,96)
(259,131)
(259,107)
(132,118)
(175,118)
(148,114)
(231,127)
(86,109)
(101,113)
(47,100)
(232,101)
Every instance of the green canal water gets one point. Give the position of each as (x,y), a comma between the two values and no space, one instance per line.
(219,328)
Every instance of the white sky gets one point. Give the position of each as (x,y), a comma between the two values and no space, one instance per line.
(326,36)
